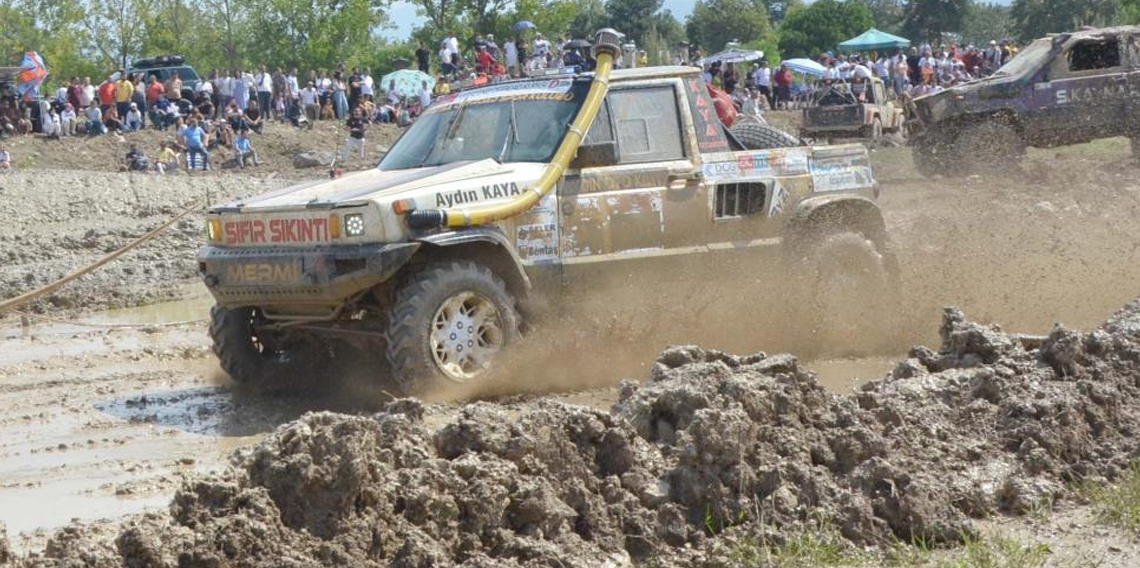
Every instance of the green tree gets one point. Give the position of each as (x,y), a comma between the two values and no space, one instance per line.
(590,18)
(114,30)
(820,26)
(714,23)
(888,14)
(929,19)
(287,33)
(632,17)
(552,17)
(985,22)
(1036,18)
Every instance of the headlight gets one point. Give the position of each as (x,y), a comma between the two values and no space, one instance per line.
(214,230)
(354,224)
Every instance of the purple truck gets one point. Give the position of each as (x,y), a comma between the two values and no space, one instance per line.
(1063,89)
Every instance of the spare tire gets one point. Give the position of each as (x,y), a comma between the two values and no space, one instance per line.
(756,136)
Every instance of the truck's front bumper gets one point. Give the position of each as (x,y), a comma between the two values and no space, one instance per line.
(310,276)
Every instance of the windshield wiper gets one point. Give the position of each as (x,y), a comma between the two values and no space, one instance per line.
(452,126)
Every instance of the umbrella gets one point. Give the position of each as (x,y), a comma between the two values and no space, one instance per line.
(577,44)
(31,76)
(874,39)
(731,56)
(523,25)
(805,66)
(408,81)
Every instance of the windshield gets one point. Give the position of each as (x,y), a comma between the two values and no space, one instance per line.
(526,128)
(1029,59)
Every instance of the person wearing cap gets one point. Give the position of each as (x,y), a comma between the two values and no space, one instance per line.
(134,118)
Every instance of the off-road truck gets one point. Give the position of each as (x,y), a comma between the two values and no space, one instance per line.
(837,112)
(1064,89)
(499,195)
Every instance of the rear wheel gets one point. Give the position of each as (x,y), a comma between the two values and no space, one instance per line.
(756,136)
(262,359)
(449,323)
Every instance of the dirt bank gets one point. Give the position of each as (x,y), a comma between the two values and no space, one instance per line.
(712,448)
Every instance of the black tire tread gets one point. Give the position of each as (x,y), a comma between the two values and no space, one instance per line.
(756,136)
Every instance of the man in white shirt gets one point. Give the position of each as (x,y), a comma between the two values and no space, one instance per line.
(541,46)
(264,82)
(512,52)
(452,44)
(204,86)
(308,98)
(366,84)
(425,96)
(393,94)
(762,78)
(226,88)
(88,92)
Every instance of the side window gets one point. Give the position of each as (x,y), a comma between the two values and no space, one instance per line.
(1094,54)
(601,130)
(647,123)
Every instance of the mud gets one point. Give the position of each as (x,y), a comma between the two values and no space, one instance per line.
(711,448)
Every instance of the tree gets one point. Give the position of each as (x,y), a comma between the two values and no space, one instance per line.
(985,22)
(590,18)
(714,23)
(888,14)
(821,25)
(929,19)
(632,17)
(113,26)
(1036,18)
(552,17)
(442,15)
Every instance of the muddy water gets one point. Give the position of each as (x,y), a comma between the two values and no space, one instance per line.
(843,375)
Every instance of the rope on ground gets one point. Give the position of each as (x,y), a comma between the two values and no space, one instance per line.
(97,325)
(13,303)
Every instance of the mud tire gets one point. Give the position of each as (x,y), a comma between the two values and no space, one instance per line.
(756,136)
(849,288)
(413,365)
(249,362)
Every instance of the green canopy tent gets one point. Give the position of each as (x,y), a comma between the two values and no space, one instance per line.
(873,39)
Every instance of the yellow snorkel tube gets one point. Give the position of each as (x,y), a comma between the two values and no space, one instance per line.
(607,44)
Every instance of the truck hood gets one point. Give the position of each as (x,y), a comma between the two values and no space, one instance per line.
(429,187)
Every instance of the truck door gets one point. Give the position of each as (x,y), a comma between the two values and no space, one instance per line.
(651,202)
(1085,92)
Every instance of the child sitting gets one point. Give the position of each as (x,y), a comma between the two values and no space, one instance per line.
(167,158)
(243,150)
(5,160)
(137,160)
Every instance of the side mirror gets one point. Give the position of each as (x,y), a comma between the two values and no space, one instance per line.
(596,155)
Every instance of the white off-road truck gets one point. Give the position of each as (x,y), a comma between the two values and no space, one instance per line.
(501,194)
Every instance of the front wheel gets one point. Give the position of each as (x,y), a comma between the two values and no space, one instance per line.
(266,360)
(449,323)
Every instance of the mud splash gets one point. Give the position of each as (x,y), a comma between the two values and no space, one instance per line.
(990,423)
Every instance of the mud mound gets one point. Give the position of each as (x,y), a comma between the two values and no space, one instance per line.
(712,447)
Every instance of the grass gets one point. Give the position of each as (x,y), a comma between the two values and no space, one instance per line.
(1118,504)
(980,552)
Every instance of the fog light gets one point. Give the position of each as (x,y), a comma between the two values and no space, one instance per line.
(354,224)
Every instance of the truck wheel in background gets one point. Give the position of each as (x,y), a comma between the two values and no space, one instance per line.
(849,288)
(265,361)
(449,322)
(756,136)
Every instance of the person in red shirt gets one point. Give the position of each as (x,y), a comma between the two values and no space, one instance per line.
(783,81)
(106,94)
(154,90)
(486,61)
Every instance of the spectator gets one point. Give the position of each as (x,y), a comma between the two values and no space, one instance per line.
(235,117)
(762,79)
(174,88)
(753,105)
(138,96)
(264,82)
(88,93)
(165,113)
(154,91)
(225,89)
(340,95)
(367,86)
(241,89)
(425,95)
(446,65)
(167,158)
(281,94)
(355,142)
(422,57)
(294,91)
(51,124)
(106,95)
(75,94)
(308,100)
(393,94)
(94,118)
(244,151)
(5,160)
(195,140)
(324,89)
(541,45)
(67,120)
(137,160)
(111,119)
(124,90)
(134,119)
(254,118)
(355,83)
(783,80)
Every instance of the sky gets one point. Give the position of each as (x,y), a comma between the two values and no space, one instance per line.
(403,15)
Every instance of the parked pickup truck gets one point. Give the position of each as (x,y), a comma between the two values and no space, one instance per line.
(400,258)
(837,112)
(1064,89)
